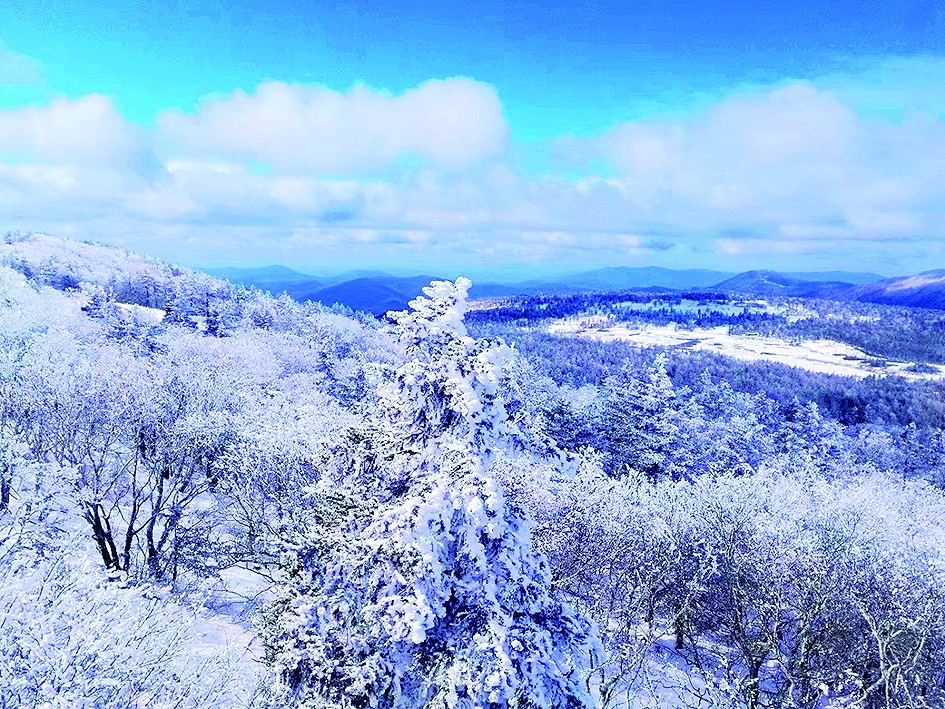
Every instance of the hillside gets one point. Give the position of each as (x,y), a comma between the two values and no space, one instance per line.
(780,284)
(215,498)
(375,294)
(925,290)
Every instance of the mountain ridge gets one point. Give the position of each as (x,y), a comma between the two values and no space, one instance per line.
(923,290)
(377,292)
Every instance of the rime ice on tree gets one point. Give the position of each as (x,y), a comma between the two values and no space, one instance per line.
(417,584)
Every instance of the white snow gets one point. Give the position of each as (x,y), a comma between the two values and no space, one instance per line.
(824,356)
(144,314)
(916,282)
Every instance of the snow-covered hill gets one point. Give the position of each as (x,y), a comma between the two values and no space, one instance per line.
(212,497)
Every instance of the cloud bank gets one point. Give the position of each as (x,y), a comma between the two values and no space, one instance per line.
(790,163)
(799,172)
(450,124)
(82,132)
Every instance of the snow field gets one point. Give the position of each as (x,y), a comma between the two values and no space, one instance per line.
(822,356)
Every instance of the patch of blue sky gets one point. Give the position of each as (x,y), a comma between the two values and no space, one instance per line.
(891,88)
(19,96)
(256,167)
(572,68)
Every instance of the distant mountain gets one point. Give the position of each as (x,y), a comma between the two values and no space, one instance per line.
(775,283)
(368,291)
(624,278)
(377,292)
(363,294)
(605,279)
(373,295)
(926,290)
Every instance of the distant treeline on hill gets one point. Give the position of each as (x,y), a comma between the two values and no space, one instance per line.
(875,400)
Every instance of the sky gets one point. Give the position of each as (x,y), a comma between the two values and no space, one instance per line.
(497,139)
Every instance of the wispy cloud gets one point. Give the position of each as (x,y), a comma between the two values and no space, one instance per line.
(16,69)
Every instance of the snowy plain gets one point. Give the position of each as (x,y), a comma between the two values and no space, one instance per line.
(822,356)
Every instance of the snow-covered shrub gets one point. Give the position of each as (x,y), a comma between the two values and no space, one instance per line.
(71,637)
(782,588)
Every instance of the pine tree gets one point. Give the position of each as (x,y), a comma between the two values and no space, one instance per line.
(417,584)
(174,311)
(640,418)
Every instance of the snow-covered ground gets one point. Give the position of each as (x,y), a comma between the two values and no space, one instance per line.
(152,316)
(824,356)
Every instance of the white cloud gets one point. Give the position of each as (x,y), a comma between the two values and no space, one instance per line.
(749,155)
(84,131)
(70,161)
(449,123)
(199,189)
(793,155)
(791,172)
(891,87)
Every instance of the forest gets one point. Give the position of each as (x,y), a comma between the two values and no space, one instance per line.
(212,496)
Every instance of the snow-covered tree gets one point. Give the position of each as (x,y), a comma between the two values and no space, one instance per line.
(417,584)
(641,421)
(71,637)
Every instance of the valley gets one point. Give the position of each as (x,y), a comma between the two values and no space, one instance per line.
(822,356)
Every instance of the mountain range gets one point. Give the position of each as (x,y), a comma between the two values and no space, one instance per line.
(377,292)
(925,290)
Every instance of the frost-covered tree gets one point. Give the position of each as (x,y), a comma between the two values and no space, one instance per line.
(72,637)
(781,588)
(640,421)
(416,584)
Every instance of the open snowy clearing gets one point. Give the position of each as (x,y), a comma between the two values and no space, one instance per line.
(152,316)
(824,356)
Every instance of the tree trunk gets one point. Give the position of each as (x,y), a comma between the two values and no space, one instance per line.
(154,561)
(102,532)
(753,691)
(5,484)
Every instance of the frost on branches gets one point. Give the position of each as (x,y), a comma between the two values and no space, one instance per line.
(417,584)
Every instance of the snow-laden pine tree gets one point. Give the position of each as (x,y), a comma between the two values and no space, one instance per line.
(416,584)
(640,420)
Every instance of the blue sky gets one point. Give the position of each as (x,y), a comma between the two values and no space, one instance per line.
(495,136)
